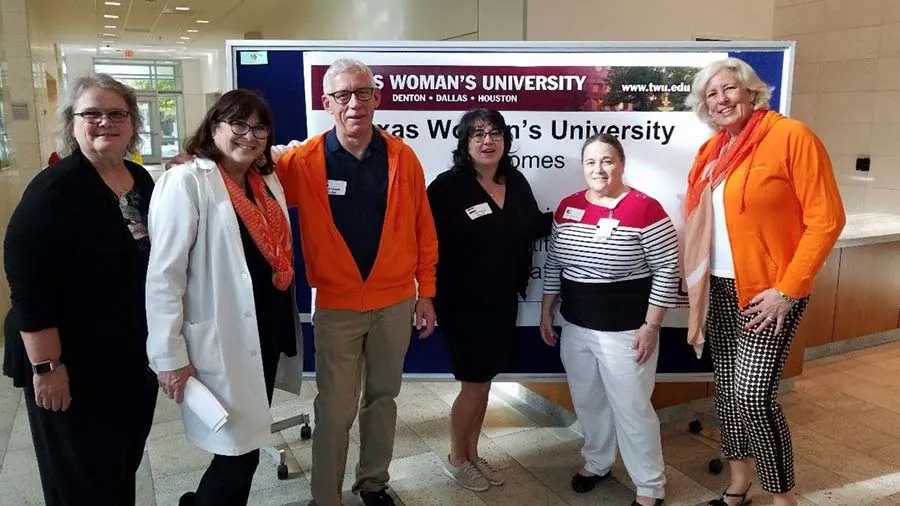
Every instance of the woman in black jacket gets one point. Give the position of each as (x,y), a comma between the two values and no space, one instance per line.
(486,219)
(76,253)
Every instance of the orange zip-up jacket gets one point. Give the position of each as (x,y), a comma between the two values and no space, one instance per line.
(784,215)
(408,249)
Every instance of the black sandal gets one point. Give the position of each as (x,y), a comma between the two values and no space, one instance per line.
(721,500)
(659,502)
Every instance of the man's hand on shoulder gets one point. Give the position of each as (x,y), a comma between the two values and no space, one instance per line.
(278,150)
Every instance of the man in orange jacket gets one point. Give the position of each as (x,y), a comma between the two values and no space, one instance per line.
(370,248)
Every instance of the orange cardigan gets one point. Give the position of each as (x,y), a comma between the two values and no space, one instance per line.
(408,250)
(785,214)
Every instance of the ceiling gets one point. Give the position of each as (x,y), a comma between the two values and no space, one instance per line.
(147,24)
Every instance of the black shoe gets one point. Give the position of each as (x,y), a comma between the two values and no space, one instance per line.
(659,502)
(187,499)
(379,498)
(583,484)
(721,500)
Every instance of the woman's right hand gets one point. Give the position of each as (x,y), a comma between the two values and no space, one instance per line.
(173,382)
(51,391)
(548,333)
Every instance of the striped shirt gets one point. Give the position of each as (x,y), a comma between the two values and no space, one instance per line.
(643,244)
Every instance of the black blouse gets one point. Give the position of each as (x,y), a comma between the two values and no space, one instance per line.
(274,307)
(484,258)
(76,259)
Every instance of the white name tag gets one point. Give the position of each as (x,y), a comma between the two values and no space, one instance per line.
(605,228)
(573,213)
(478,211)
(337,187)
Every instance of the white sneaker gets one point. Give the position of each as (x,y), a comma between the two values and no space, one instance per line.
(494,477)
(467,475)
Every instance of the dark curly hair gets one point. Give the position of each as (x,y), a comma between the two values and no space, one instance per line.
(466,127)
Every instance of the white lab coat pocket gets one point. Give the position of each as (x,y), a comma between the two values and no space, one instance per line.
(204,348)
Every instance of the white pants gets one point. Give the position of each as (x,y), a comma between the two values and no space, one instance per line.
(611,393)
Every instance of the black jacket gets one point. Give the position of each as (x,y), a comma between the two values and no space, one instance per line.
(73,264)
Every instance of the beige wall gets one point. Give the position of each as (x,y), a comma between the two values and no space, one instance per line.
(648,19)
(400,20)
(27,137)
(847,87)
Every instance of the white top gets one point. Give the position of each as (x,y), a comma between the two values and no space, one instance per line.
(722,263)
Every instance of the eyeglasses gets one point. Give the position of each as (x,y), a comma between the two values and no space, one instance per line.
(94,117)
(480,135)
(362,94)
(242,127)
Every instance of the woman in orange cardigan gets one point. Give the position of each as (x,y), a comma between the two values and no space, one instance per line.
(763,213)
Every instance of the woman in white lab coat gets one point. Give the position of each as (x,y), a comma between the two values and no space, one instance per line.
(220,298)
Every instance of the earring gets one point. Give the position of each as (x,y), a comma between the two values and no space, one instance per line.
(261,161)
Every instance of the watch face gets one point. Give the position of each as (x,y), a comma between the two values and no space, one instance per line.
(42,368)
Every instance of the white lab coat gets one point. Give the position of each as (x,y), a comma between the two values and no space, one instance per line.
(200,306)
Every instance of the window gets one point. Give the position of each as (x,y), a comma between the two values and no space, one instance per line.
(150,75)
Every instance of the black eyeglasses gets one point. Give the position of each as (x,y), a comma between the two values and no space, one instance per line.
(242,127)
(94,117)
(362,94)
(479,135)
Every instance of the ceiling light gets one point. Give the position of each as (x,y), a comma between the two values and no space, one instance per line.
(184,38)
(110,16)
(179,42)
(203,21)
(114,4)
(193,31)
(182,8)
(110,27)
(109,35)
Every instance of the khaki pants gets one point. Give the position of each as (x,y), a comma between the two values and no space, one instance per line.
(352,349)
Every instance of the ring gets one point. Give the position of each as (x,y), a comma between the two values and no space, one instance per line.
(768,318)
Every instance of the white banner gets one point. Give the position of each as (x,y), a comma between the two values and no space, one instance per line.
(552,102)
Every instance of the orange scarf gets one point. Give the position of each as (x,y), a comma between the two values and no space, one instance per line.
(711,168)
(266,223)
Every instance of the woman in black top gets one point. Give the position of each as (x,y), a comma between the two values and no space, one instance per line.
(486,218)
(76,253)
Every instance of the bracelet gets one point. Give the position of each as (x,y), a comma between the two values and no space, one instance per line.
(652,325)
(787,298)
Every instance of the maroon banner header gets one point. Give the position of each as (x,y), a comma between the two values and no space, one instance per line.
(461,87)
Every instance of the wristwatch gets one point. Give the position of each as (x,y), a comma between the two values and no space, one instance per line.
(46,367)
(791,300)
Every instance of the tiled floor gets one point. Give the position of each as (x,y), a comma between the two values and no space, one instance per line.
(844,413)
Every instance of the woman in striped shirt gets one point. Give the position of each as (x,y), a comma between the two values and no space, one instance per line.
(613,260)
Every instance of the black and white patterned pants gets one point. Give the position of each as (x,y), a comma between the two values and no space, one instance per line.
(747,370)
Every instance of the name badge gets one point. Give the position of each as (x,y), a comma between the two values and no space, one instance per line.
(573,213)
(337,187)
(478,211)
(605,228)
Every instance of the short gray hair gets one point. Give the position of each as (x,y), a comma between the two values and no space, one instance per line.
(67,142)
(343,66)
(760,91)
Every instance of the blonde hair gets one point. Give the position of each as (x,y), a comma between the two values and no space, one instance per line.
(760,92)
